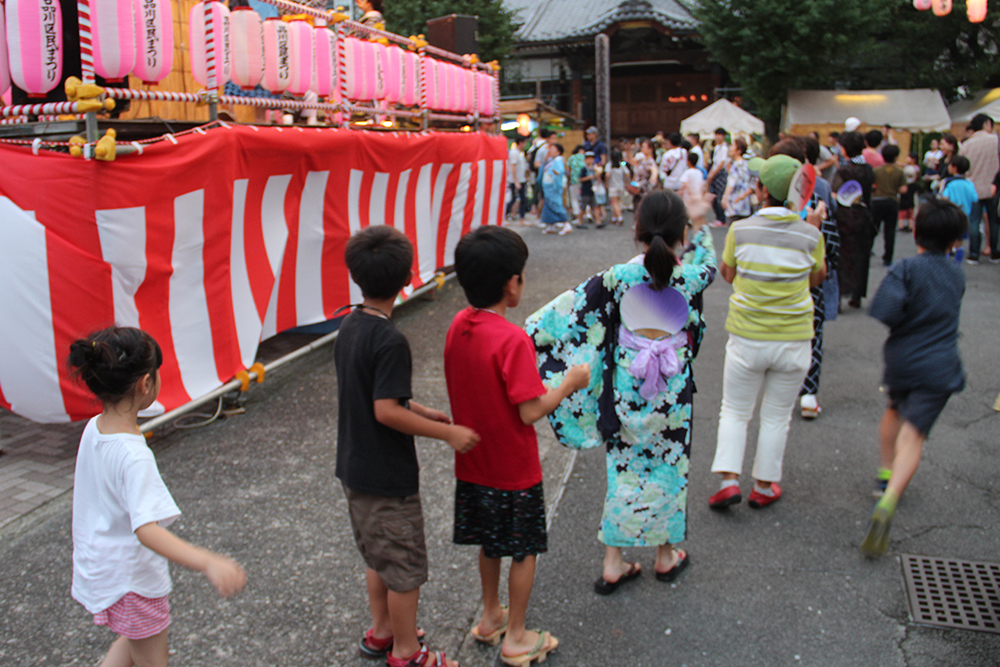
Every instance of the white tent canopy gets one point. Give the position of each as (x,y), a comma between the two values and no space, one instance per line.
(985,101)
(916,110)
(722,113)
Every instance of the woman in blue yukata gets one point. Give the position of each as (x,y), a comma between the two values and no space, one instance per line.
(639,326)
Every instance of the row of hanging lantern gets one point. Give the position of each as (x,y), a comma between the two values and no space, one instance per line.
(136,37)
(294,56)
(976,9)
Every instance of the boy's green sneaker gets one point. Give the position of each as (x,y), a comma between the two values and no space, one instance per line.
(876,542)
(881,482)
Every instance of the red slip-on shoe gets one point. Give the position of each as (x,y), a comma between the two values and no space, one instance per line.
(758,500)
(725,497)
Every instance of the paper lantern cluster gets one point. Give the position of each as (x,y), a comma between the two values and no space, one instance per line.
(976,9)
(127,36)
(136,37)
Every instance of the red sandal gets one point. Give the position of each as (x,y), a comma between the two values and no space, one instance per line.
(372,647)
(422,658)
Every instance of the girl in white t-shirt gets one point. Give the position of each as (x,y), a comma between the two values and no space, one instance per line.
(121,547)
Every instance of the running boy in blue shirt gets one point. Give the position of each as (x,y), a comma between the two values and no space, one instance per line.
(919,300)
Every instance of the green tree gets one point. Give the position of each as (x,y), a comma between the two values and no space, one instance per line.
(496,23)
(915,49)
(772,46)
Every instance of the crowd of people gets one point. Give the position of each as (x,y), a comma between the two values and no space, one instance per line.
(609,362)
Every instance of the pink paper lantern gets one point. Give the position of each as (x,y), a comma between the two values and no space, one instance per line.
(922,4)
(300,38)
(4,66)
(154,40)
(432,83)
(454,95)
(218,65)
(469,83)
(365,79)
(394,73)
(410,79)
(277,56)
(247,46)
(941,7)
(34,44)
(976,10)
(485,92)
(325,72)
(112,33)
(381,63)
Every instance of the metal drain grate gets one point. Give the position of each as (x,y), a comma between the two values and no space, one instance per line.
(953,593)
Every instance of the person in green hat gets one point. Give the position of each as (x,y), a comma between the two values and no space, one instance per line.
(772,259)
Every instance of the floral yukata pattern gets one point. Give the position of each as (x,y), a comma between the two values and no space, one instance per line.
(648,442)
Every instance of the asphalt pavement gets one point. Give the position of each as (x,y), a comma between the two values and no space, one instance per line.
(784,585)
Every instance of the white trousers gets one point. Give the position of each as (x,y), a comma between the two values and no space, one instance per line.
(574,199)
(779,367)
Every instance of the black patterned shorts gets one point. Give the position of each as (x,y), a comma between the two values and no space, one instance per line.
(504,523)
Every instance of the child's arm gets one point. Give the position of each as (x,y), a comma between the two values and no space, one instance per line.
(889,304)
(531,411)
(223,572)
(389,412)
(429,413)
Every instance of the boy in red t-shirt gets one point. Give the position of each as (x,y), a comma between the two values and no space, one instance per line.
(495,389)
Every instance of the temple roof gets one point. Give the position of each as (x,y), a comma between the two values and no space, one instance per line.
(558,20)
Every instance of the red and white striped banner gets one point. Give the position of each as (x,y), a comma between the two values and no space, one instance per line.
(214,244)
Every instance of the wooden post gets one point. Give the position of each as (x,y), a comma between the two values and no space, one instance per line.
(602,66)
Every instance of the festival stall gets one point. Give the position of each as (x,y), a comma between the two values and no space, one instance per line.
(218,237)
(961,112)
(722,113)
(905,111)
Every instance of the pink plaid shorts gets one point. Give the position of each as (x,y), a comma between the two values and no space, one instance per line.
(136,617)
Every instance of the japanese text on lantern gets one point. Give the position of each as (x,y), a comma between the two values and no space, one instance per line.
(152,36)
(283,55)
(49,8)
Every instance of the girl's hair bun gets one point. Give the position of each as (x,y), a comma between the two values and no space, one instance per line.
(112,360)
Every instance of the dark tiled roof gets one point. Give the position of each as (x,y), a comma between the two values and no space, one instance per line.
(556,20)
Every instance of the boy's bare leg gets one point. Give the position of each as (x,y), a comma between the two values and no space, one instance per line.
(615,566)
(909,446)
(403,614)
(378,600)
(888,433)
(489,575)
(520,581)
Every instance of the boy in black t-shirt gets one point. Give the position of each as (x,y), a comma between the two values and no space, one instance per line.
(376,458)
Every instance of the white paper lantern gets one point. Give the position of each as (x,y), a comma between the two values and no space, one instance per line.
(4,67)
(301,43)
(247,47)
(154,40)
(941,7)
(325,72)
(219,58)
(976,10)
(112,34)
(34,44)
